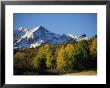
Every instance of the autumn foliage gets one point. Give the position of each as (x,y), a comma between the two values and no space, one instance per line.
(61,59)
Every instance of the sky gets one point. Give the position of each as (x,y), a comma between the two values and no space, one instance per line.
(60,23)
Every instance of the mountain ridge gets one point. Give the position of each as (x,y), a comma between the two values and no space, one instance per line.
(25,38)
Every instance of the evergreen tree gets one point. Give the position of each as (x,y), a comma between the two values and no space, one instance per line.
(81,54)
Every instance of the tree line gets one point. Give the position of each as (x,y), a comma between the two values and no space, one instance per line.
(61,58)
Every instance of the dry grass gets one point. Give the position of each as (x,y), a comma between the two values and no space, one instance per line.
(83,73)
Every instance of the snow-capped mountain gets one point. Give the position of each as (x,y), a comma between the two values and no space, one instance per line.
(25,38)
(78,38)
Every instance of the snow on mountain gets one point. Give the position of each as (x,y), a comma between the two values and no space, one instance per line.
(18,33)
(38,43)
(78,37)
(25,38)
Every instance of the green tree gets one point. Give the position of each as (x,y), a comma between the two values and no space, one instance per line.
(93,54)
(69,49)
(81,54)
(45,54)
(38,59)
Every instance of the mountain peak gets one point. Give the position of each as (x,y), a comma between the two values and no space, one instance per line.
(39,28)
(83,35)
(38,35)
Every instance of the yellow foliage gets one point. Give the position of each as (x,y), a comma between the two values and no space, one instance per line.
(93,48)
